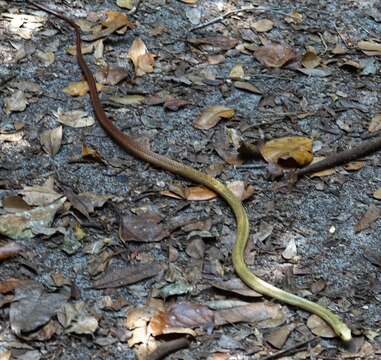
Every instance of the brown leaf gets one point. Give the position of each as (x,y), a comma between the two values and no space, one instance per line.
(51,140)
(319,327)
(127,100)
(243,85)
(143,60)
(310,59)
(15,203)
(10,284)
(143,228)
(221,42)
(370,48)
(212,115)
(127,275)
(375,123)
(263,25)
(354,165)
(79,88)
(89,153)
(278,337)
(40,195)
(237,72)
(116,20)
(237,286)
(76,118)
(111,75)
(377,194)
(372,214)
(9,250)
(327,172)
(174,104)
(288,151)
(274,55)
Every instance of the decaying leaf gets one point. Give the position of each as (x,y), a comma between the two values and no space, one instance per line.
(212,115)
(79,88)
(51,140)
(145,227)
(11,284)
(16,102)
(240,189)
(274,55)
(370,48)
(236,285)
(14,203)
(33,307)
(375,123)
(327,172)
(111,75)
(127,275)
(127,99)
(311,59)
(125,4)
(143,60)
(89,153)
(288,151)
(377,194)
(263,25)
(319,327)
(26,224)
(371,215)
(237,72)
(75,118)
(354,165)
(278,337)
(243,85)
(9,250)
(40,195)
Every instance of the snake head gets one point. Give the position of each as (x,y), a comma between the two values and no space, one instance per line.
(344,332)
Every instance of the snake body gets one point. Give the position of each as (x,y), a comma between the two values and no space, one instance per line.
(175,167)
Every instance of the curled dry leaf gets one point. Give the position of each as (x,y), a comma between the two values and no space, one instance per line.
(370,48)
(40,195)
(243,85)
(263,25)
(377,194)
(125,4)
(319,327)
(212,115)
(327,172)
(310,59)
(237,72)
(375,123)
(76,118)
(89,153)
(274,55)
(143,60)
(288,151)
(237,286)
(51,140)
(79,88)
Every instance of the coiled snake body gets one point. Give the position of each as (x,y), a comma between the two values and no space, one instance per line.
(129,144)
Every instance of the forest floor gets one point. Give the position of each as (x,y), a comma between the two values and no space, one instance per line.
(100,259)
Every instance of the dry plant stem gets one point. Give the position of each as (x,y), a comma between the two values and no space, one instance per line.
(169,347)
(242,233)
(289,351)
(357,152)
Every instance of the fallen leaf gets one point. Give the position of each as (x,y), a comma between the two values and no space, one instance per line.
(16,102)
(10,284)
(75,118)
(371,215)
(47,58)
(288,151)
(294,18)
(212,115)
(194,193)
(327,172)
(310,59)
(111,75)
(125,4)
(377,194)
(354,165)
(174,104)
(237,72)
(290,251)
(263,25)
(319,327)
(370,48)
(240,190)
(236,285)
(274,55)
(9,250)
(375,123)
(127,99)
(15,203)
(218,41)
(243,85)
(79,88)
(27,224)
(278,337)
(142,228)
(127,275)
(51,140)
(339,50)
(12,137)
(143,60)
(89,153)
(75,319)
(33,307)
(40,195)
(85,49)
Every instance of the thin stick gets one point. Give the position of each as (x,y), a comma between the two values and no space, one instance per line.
(289,350)
(169,347)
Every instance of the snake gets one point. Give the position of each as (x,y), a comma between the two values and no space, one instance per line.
(242,222)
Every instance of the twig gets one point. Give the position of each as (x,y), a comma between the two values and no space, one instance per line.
(290,350)
(357,152)
(168,348)
(227,14)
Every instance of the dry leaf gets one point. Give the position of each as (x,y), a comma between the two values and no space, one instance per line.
(319,327)
(115,20)
(294,18)
(16,102)
(143,60)
(327,172)
(372,214)
(310,59)
(375,123)
(192,193)
(79,88)
(243,85)
(377,194)
(125,4)
(354,165)
(290,251)
(127,99)
(111,75)
(240,190)
(9,250)
(274,55)
(85,49)
(10,284)
(14,204)
(290,151)
(12,137)
(75,118)
(278,337)
(237,72)
(40,195)
(89,153)
(47,58)
(237,286)
(370,48)
(51,140)
(212,115)
(263,25)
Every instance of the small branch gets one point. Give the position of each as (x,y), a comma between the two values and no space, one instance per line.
(290,350)
(169,347)
(224,16)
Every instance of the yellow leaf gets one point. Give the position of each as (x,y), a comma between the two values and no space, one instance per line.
(263,25)
(322,173)
(85,49)
(310,59)
(297,149)
(142,59)
(212,115)
(116,19)
(237,72)
(79,88)
(375,123)
(89,153)
(125,4)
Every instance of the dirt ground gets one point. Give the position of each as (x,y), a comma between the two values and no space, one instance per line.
(334,261)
